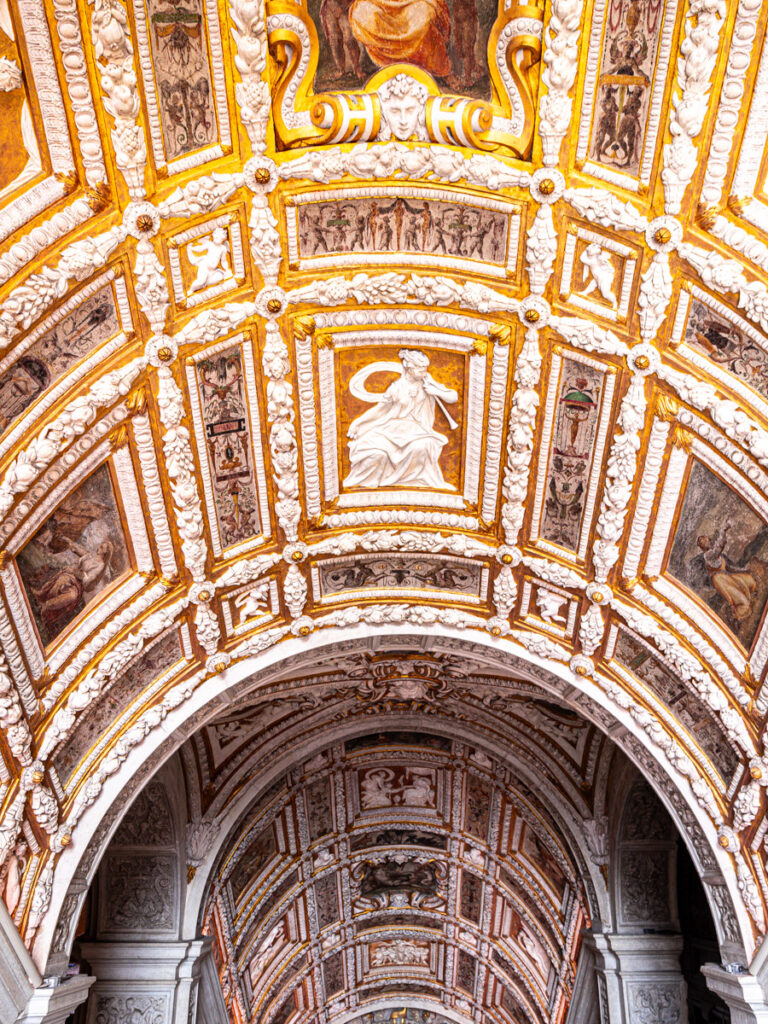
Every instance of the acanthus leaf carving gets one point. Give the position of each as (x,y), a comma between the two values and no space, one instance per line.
(522,419)
(600,206)
(560,58)
(541,250)
(295,591)
(698,53)
(655,293)
(724,275)
(114,55)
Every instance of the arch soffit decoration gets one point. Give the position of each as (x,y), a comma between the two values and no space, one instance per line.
(177,490)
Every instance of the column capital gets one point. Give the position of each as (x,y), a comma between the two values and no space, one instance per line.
(52,1004)
(742,992)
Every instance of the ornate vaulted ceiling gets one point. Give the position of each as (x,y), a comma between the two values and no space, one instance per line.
(315,329)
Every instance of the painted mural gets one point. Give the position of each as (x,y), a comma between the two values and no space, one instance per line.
(447,38)
(401,430)
(74,556)
(693,713)
(399,572)
(575,428)
(183,74)
(723,343)
(228,441)
(261,850)
(630,45)
(388,224)
(56,352)
(720,552)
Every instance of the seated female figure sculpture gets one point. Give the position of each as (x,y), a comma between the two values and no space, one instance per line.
(394,444)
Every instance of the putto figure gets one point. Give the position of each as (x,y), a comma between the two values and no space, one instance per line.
(394,444)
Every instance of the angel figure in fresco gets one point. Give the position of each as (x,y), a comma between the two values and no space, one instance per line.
(599,272)
(736,584)
(395,444)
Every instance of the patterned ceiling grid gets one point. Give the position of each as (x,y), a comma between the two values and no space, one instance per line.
(313,329)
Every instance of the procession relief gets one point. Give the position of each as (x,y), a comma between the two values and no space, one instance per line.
(51,356)
(402,420)
(228,444)
(395,224)
(628,60)
(725,344)
(74,556)
(720,552)
(575,428)
(447,38)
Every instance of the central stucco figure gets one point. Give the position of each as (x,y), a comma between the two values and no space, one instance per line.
(394,444)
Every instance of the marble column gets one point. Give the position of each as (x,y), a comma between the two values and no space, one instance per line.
(156,980)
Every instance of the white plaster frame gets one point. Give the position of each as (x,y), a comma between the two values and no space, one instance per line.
(568,273)
(231,225)
(315,453)
(532,618)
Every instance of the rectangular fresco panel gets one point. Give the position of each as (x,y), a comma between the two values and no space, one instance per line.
(178,37)
(692,712)
(627,63)
(573,445)
(372,573)
(723,343)
(74,556)
(221,382)
(56,352)
(720,552)
(389,224)
(447,38)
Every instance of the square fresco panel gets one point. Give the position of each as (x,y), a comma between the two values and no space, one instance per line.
(447,38)
(720,553)
(74,556)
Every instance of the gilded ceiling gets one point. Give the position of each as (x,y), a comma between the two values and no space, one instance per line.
(325,324)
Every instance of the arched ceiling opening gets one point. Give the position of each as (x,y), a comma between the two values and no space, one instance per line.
(313,331)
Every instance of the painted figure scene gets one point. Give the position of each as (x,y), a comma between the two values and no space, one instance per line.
(447,38)
(720,552)
(723,343)
(74,556)
(55,353)
(389,224)
(630,47)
